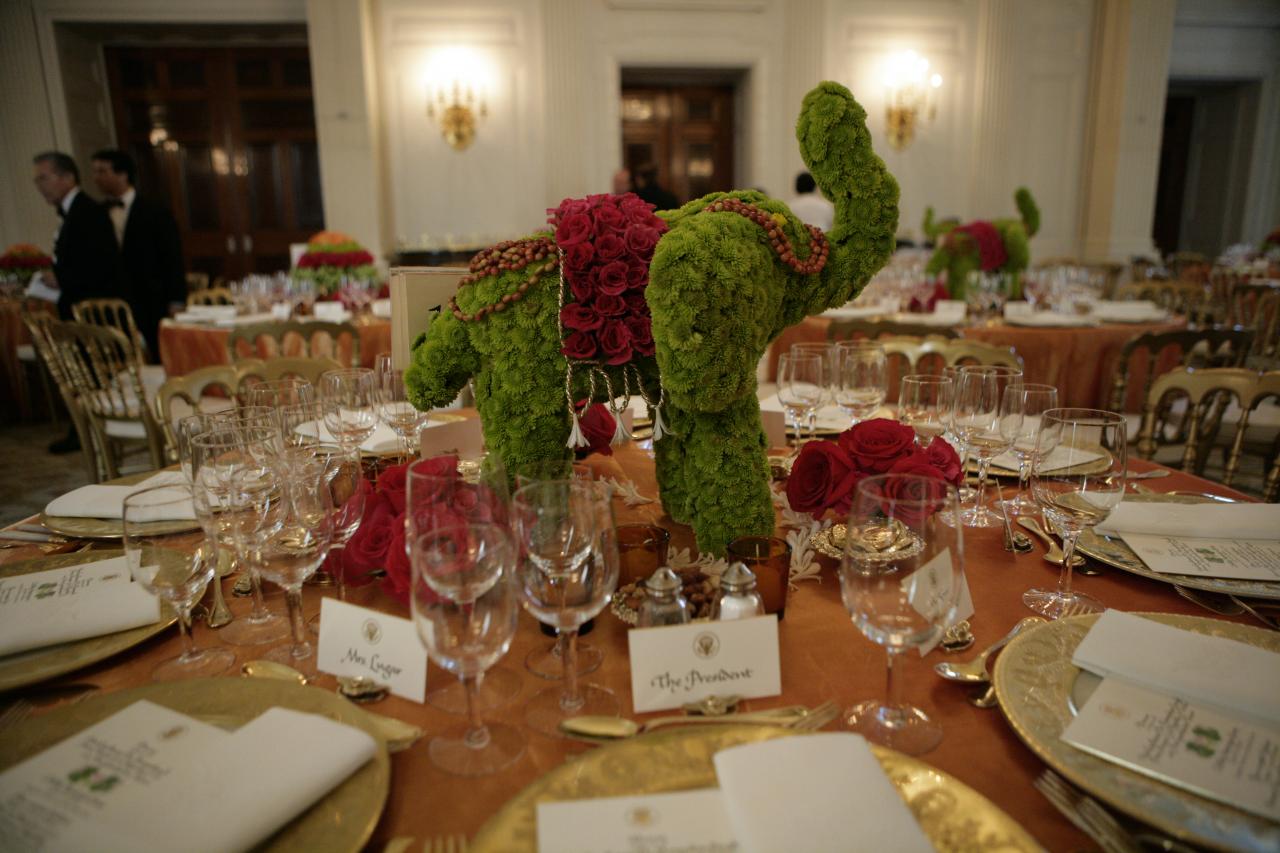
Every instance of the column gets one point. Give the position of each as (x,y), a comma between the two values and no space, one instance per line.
(26,130)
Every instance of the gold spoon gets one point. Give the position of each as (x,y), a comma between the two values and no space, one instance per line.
(271,669)
(617,728)
(1055,554)
(975,671)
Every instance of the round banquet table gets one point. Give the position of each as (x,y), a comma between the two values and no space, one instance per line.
(823,657)
(184,347)
(1080,361)
(13,334)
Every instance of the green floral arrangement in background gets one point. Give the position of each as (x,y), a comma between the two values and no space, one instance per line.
(728,274)
(331,258)
(935,228)
(996,246)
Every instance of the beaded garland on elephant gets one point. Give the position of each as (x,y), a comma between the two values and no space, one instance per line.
(728,273)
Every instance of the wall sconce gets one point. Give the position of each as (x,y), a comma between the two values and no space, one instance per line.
(911,93)
(458,113)
(457,80)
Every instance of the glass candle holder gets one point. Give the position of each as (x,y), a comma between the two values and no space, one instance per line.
(642,550)
(770,559)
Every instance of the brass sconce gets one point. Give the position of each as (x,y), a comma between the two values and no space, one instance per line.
(459,113)
(910,95)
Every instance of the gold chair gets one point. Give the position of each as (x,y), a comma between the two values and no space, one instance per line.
(1191,299)
(843,330)
(113,314)
(211,296)
(102,366)
(1199,348)
(250,371)
(319,339)
(40,325)
(196,281)
(192,391)
(1180,263)
(931,354)
(1266,331)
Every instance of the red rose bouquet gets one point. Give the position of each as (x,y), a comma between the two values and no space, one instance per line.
(23,260)
(826,473)
(378,544)
(332,256)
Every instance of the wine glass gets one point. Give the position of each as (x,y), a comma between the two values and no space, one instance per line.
(215,458)
(300,424)
(173,574)
(382,363)
(966,492)
(1076,490)
(393,405)
(288,523)
(827,352)
(900,579)
(347,397)
(861,378)
(275,393)
(348,491)
(978,396)
(467,637)
(566,576)
(801,386)
(1020,412)
(924,404)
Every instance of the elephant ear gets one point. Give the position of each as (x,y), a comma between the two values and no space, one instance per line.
(1028,210)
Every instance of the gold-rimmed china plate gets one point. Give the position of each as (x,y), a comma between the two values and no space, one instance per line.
(952,815)
(1039,688)
(36,665)
(1113,551)
(341,821)
(111,528)
(1093,466)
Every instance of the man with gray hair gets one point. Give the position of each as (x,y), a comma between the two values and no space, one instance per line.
(86,261)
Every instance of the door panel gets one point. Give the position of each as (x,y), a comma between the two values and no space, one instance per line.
(686,131)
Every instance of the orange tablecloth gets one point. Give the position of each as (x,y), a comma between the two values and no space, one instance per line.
(13,334)
(1079,361)
(185,347)
(823,655)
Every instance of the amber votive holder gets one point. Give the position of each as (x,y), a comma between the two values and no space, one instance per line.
(769,559)
(642,550)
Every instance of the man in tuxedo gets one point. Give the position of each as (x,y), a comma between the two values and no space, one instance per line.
(85,255)
(155,278)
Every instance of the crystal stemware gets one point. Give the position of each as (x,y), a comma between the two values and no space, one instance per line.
(1020,412)
(900,579)
(976,420)
(173,574)
(397,412)
(1076,488)
(826,351)
(801,386)
(347,397)
(275,393)
(861,378)
(924,404)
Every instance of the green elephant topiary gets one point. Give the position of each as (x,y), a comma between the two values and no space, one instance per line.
(996,246)
(729,274)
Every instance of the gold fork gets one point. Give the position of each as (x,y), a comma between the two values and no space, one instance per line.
(817,718)
(446,844)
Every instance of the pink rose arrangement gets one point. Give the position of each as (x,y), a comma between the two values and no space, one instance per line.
(607,243)
(826,473)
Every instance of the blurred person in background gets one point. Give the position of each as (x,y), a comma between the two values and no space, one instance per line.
(811,207)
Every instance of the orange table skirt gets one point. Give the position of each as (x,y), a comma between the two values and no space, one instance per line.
(186,347)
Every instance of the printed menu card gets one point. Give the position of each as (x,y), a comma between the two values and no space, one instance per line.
(1240,541)
(149,778)
(60,605)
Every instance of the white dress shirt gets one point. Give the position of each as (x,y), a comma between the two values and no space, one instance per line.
(813,209)
(120,213)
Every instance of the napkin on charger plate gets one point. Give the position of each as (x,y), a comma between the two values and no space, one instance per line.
(1214,671)
(108,501)
(1132,311)
(818,793)
(1194,521)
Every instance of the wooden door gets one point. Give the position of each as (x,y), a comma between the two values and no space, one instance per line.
(226,137)
(686,131)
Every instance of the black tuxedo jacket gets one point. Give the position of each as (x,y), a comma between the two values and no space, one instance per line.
(154,272)
(86,259)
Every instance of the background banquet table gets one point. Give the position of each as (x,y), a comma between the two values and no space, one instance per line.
(823,657)
(1080,361)
(185,347)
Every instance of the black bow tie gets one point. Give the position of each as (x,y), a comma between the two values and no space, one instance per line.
(113,202)
(62,214)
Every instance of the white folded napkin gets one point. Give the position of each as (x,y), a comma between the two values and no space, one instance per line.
(381,308)
(37,288)
(1195,521)
(855,312)
(1212,670)
(1058,459)
(244,319)
(108,501)
(818,793)
(934,319)
(830,418)
(1134,311)
(61,605)
(1050,319)
(332,312)
(212,312)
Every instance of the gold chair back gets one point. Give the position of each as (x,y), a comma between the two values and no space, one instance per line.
(1194,348)
(211,296)
(196,281)
(317,338)
(843,330)
(250,371)
(192,389)
(1193,300)
(40,325)
(113,314)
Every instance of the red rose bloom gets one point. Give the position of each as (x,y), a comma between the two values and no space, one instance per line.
(399,577)
(823,476)
(612,278)
(579,345)
(875,445)
(579,318)
(641,330)
(615,341)
(608,305)
(582,283)
(636,303)
(913,498)
(609,247)
(944,458)
(391,483)
(598,426)
(578,256)
(637,275)
(367,549)
(574,229)
(609,219)
(641,238)
(991,252)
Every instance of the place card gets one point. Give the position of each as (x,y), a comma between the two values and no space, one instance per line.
(933,579)
(676,664)
(1212,753)
(1249,559)
(356,641)
(688,821)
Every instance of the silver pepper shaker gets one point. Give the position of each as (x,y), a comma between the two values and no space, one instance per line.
(663,604)
(738,598)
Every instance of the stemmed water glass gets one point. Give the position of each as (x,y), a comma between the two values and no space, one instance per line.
(1020,412)
(924,404)
(568,570)
(900,579)
(348,491)
(825,350)
(465,607)
(274,393)
(977,420)
(966,492)
(801,386)
(393,406)
(173,574)
(347,397)
(861,378)
(1078,489)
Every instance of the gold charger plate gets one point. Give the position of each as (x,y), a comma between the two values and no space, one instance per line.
(113,528)
(1113,551)
(1095,466)
(38,665)
(1035,680)
(342,821)
(954,816)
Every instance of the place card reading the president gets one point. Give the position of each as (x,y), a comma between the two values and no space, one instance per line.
(356,641)
(676,664)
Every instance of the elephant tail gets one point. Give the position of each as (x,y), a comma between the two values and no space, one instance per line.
(836,146)
(1028,210)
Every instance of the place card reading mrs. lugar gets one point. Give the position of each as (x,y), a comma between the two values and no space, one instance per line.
(676,664)
(356,641)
